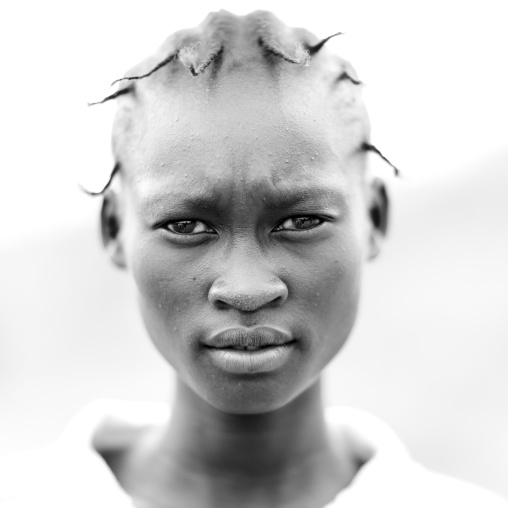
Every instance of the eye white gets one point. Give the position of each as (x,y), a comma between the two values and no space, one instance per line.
(292,223)
(187,227)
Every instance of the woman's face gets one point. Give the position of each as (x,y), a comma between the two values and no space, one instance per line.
(244,222)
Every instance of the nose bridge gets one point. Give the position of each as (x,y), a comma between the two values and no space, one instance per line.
(246,281)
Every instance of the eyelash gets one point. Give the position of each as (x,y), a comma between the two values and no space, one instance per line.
(277,228)
(188,221)
(296,217)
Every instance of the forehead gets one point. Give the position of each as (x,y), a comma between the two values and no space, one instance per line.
(243,128)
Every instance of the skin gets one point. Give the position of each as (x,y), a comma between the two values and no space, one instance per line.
(279,222)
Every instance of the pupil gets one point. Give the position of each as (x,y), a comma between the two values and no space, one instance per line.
(303,222)
(185,226)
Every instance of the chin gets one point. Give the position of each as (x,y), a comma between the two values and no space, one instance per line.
(251,396)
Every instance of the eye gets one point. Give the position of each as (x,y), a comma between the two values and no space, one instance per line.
(300,223)
(188,227)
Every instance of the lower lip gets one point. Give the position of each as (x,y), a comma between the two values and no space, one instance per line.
(265,359)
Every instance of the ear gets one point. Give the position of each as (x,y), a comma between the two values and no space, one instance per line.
(378,209)
(111,224)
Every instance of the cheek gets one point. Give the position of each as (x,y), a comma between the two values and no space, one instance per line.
(334,284)
(166,289)
(329,294)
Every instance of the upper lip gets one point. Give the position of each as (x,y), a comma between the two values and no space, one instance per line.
(261,336)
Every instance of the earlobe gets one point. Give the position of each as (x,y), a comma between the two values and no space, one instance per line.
(379,204)
(111,229)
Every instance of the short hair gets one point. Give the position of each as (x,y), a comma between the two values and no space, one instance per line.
(223,41)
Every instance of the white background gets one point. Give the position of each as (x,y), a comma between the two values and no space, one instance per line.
(435,71)
(436,79)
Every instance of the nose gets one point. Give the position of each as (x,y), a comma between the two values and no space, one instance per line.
(247,288)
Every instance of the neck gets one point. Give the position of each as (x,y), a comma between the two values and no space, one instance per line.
(208,457)
(212,441)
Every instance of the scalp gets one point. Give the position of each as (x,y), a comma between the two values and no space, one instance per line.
(239,55)
(225,43)
(239,39)
(232,58)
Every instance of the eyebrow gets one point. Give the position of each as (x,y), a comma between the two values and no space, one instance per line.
(292,197)
(273,200)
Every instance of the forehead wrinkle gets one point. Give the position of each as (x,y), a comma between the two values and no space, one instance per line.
(156,202)
(312,198)
(277,185)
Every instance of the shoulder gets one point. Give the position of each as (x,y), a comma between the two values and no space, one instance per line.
(443,490)
(70,472)
(390,477)
(58,477)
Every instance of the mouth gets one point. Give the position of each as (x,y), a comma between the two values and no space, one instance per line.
(249,351)
(248,339)
(246,348)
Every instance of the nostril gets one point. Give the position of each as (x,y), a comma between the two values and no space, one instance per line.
(220,304)
(245,299)
(244,302)
(278,300)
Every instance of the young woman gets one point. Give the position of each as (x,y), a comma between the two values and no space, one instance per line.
(242,206)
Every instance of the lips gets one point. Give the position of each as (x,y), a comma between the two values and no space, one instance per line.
(247,351)
(248,339)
